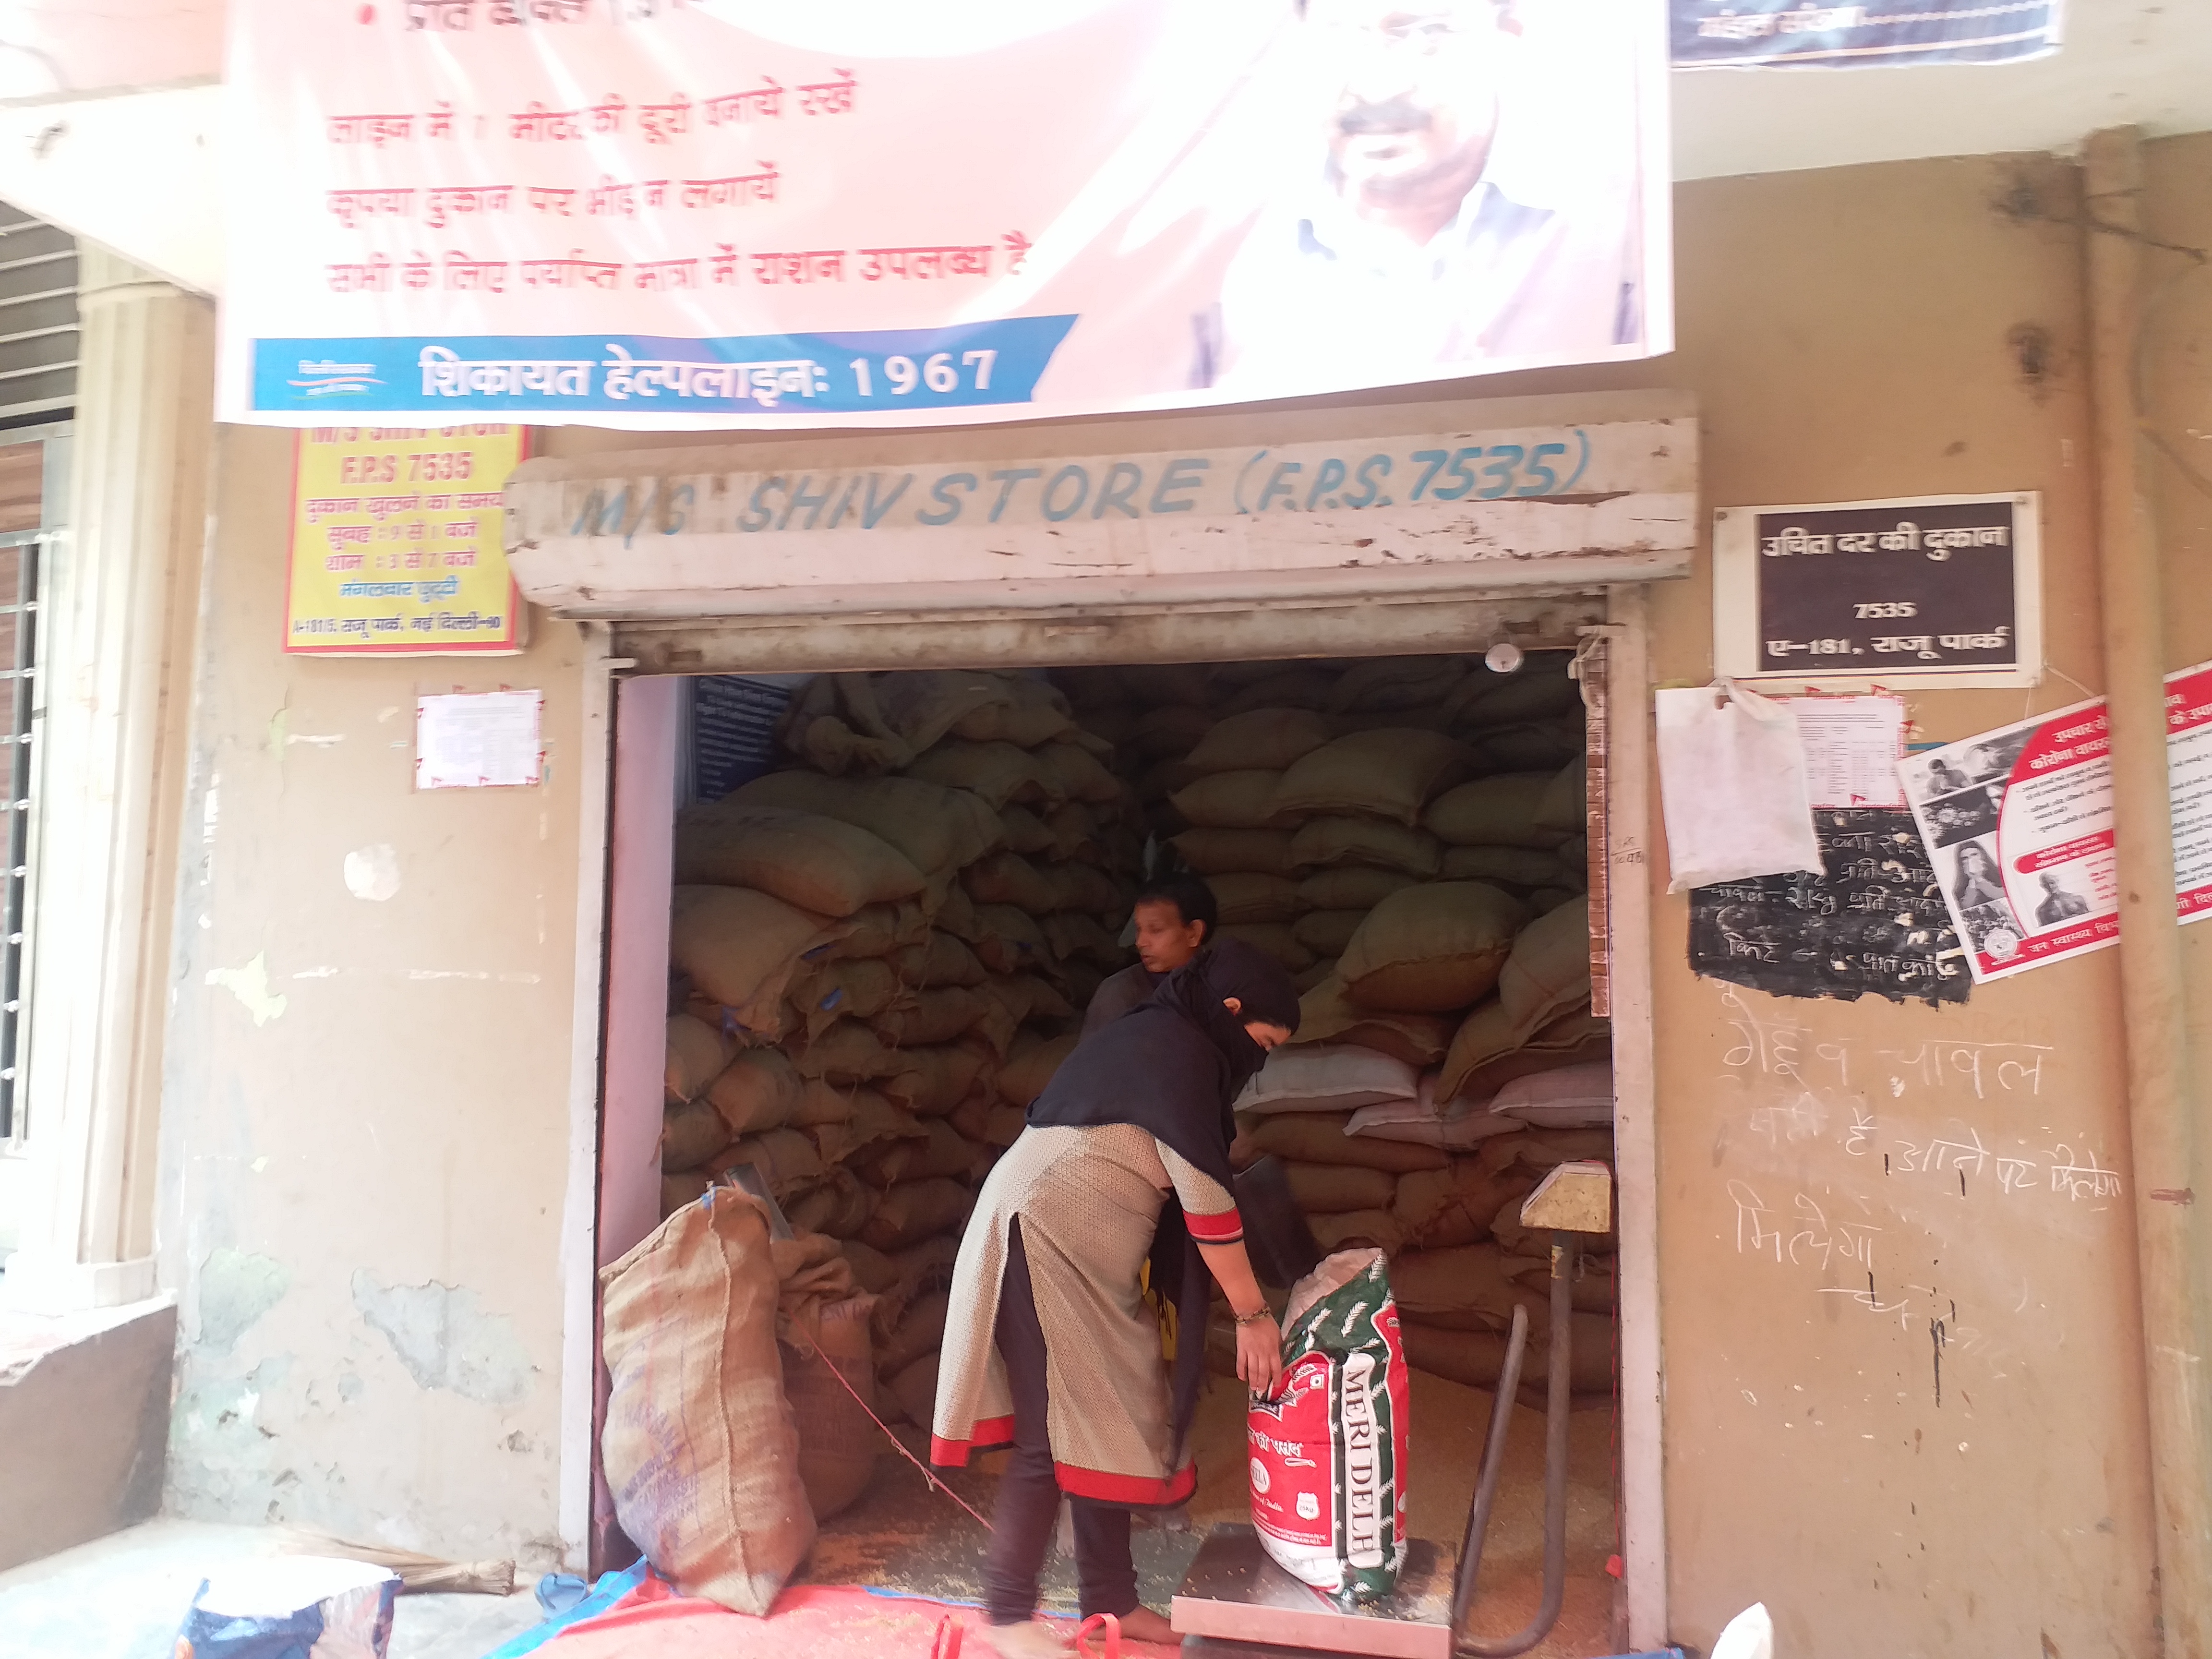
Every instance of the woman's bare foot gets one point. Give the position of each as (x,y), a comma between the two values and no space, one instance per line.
(1026,1640)
(1143,1624)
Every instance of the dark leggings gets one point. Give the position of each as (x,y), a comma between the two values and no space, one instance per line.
(1027,1512)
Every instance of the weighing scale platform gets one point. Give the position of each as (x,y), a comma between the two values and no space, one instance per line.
(1236,1603)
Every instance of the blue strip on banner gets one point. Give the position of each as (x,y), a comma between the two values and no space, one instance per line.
(1813,34)
(882,369)
(611,1589)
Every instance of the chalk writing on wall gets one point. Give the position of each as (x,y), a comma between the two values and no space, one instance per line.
(1873,919)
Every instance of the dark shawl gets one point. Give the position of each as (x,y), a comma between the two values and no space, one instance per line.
(1171,1066)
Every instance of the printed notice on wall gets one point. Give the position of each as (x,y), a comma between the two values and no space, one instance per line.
(484,740)
(397,542)
(2189,776)
(1852,746)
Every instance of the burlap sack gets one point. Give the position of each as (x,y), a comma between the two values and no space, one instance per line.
(1169,682)
(1027,997)
(1276,940)
(1467,1278)
(1025,831)
(1009,878)
(876,1120)
(1335,1188)
(1232,800)
(1072,936)
(1009,940)
(878,931)
(1520,867)
(932,1081)
(696,1052)
(1356,1229)
(1326,933)
(1239,898)
(1327,1077)
(1030,1064)
(996,773)
(1029,712)
(1321,972)
(681,1187)
(1075,832)
(1430,949)
(1005,1125)
(807,859)
(955,914)
(757,1091)
(1536,746)
(915,1389)
(1565,804)
(1327,844)
(837,1206)
(1087,889)
(1072,772)
(691,1132)
(1269,739)
(1474,1357)
(788,1159)
(1549,969)
(915,1210)
(1387,774)
(1354,887)
(821,1103)
(700,1448)
(1224,852)
(1495,811)
(1170,731)
(938,830)
(831,1387)
(825,992)
(1162,778)
(873,1270)
(921,1330)
(1302,687)
(942,959)
(1440,1208)
(1385,683)
(850,1052)
(741,947)
(1091,689)
(934,1015)
(1319,1138)
(1490,1050)
(1326,1015)
(1541,691)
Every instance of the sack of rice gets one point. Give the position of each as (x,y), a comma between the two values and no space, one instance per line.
(1351,887)
(697,1054)
(878,931)
(1072,936)
(1005,1125)
(1319,1138)
(1539,691)
(1520,867)
(1025,831)
(1029,712)
(821,1104)
(1490,1050)
(1276,940)
(1352,1230)
(942,959)
(1564,1098)
(1494,811)
(932,1081)
(915,1389)
(863,987)
(1454,1125)
(1326,1015)
(1596,1286)
(1387,774)
(839,1206)
(1072,772)
(1171,681)
(996,773)
(1321,972)
(1088,690)
(1387,682)
(920,1330)
(873,1270)
(915,1210)
(1537,745)
(1269,738)
(1009,940)
(1549,969)
(1304,685)
(1334,1189)
(1086,888)
(1326,933)
(1565,804)
(740,947)
(938,830)
(786,1158)
(1474,1358)
(1317,1079)
(1465,1277)
(1231,800)
(934,1015)
(691,1132)
(759,1089)
(837,1440)
(681,1187)
(806,860)
(946,1152)
(1224,852)
(1327,844)
(1429,949)
(1075,832)
(1030,1064)
(1027,997)
(1009,878)
(687,1322)
(1441,1208)
(1239,898)
(1169,733)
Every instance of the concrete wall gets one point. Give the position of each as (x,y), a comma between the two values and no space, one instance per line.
(379,1164)
(365,1129)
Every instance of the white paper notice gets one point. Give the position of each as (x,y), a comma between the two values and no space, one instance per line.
(484,740)
(1852,746)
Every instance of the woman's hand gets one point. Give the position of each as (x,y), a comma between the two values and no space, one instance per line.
(1260,1356)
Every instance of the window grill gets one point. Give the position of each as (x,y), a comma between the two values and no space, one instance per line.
(21,559)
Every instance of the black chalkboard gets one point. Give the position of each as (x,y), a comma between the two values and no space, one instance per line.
(1873,920)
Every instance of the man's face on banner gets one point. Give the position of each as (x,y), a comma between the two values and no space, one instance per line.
(1416,100)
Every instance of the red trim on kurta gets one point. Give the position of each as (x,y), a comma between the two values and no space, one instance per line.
(1127,1488)
(1225,1227)
(989,1435)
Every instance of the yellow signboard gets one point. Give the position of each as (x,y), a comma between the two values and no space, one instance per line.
(396,548)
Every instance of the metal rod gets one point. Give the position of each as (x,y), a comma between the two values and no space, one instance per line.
(1558,1404)
(1493,1466)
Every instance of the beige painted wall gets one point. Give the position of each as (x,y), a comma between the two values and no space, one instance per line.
(365,1127)
(1851,334)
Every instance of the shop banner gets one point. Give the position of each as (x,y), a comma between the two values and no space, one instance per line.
(1807,35)
(2019,825)
(396,543)
(730,213)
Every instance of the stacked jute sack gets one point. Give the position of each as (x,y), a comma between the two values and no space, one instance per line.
(879,955)
(1406,836)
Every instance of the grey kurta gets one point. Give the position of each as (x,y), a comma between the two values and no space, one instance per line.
(1088,1199)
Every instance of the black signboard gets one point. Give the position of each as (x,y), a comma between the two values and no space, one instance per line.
(733,731)
(1891,592)
(1872,919)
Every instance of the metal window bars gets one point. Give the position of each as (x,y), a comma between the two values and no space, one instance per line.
(19,618)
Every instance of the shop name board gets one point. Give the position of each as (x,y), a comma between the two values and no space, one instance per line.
(1938,590)
(1513,496)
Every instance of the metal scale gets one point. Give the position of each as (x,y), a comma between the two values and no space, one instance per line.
(1235,1603)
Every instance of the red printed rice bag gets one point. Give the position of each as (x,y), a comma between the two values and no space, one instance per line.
(1329,1452)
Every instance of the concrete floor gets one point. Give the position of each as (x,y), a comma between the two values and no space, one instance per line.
(124,1597)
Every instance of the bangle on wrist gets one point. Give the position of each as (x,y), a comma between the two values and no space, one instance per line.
(1259,1313)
